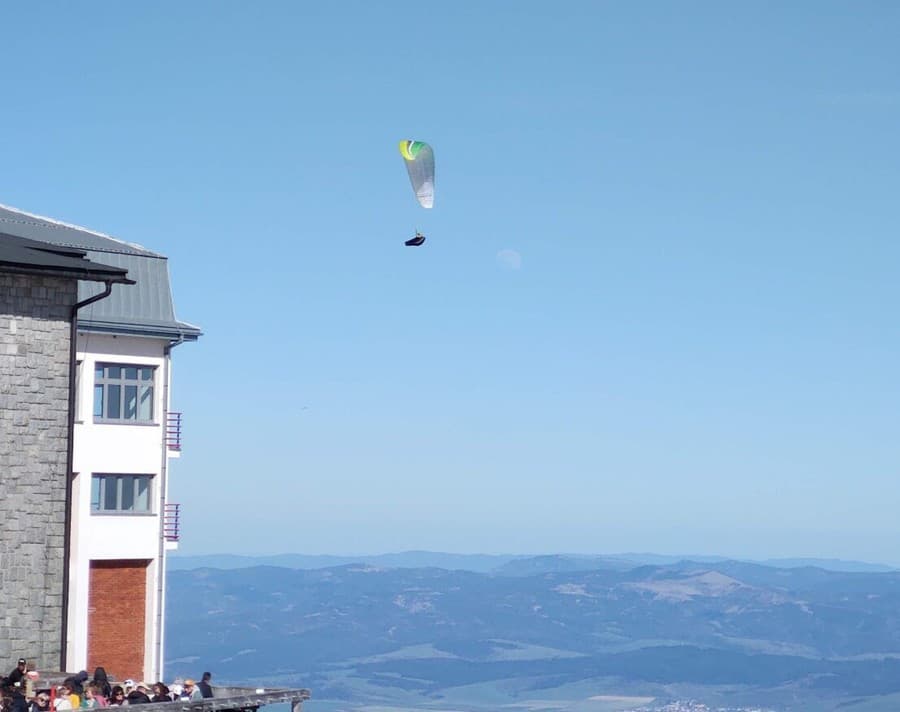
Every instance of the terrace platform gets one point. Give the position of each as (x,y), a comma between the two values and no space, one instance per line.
(227,698)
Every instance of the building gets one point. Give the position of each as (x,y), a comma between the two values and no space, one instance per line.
(117,521)
(39,288)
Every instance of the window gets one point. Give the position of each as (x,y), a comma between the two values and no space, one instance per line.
(123,392)
(122,494)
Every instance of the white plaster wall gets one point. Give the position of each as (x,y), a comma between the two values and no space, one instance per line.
(115,449)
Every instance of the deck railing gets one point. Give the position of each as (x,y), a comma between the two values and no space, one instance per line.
(172,521)
(173,431)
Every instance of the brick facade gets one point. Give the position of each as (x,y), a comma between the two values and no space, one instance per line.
(117,617)
(34,401)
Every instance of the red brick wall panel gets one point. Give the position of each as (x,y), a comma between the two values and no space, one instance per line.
(117,617)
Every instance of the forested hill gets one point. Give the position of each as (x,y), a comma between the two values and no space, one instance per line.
(733,631)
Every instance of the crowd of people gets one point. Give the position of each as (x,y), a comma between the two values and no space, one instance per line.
(23,692)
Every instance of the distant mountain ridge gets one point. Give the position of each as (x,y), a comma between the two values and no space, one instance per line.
(482,563)
(726,632)
(498,563)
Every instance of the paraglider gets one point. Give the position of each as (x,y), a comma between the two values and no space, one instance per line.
(419,159)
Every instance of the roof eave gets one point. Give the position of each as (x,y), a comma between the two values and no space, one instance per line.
(87,275)
(185,332)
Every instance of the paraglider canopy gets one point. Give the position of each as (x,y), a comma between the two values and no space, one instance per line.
(419,159)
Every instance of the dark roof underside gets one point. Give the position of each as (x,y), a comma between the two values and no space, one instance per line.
(19,254)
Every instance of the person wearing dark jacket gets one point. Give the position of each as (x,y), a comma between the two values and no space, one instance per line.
(138,697)
(18,702)
(204,686)
(102,682)
(18,674)
(78,682)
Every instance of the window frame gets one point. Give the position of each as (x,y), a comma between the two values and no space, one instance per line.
(99,493)
(106,383)
(79,366)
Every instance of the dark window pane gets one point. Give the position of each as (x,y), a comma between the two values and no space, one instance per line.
(98,401)
(127,494)
(113,372)
(98,371)
(131,373)
(114,402)
(130,402)
(146,410)
(109,488)
(146,374)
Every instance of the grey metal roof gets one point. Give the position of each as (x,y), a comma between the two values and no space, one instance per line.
(17,222)
(19,254)
(144,308)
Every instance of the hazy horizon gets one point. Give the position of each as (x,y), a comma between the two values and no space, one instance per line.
(527,554)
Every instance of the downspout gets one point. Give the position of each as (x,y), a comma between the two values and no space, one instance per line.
(163,487)
(70,457)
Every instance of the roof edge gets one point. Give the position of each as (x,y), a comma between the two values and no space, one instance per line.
(187,332)
(87,275)
(53,222)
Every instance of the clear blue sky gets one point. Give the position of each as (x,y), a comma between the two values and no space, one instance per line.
(697,352)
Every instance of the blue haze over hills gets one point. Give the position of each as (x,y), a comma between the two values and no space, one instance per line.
(486,562)
(527,630)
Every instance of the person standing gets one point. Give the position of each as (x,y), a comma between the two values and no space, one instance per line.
(18,674)
(101,680)
(204,686)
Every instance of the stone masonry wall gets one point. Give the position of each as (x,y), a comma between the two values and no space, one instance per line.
(34,407)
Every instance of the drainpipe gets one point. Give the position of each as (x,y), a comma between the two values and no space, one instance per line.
(163,487)
(70,457)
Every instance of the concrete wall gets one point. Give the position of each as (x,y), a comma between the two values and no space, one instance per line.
(34,398)
(117,448)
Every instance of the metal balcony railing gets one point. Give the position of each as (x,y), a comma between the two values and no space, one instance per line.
(173,431)
(172,521)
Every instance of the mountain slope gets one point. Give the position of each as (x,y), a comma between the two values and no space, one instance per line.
(365,633)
